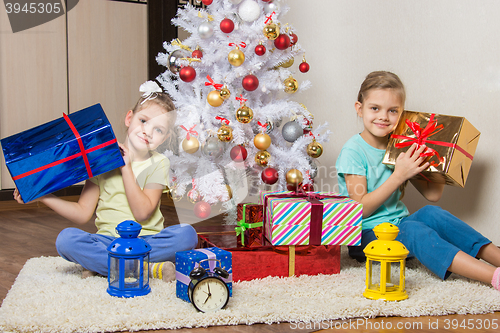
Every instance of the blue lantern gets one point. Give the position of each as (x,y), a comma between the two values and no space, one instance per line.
(128,258)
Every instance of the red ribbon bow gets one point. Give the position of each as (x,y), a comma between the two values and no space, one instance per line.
(241,99)
(222,119)
(264,126)
(189,131)
(242,44)
(422,137)
(217,86)
(269,18)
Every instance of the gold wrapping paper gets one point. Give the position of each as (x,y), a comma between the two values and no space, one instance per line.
(452,168)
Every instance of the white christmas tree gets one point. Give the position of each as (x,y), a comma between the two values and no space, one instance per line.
(234,85)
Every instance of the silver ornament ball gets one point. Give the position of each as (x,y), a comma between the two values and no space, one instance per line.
(206,30)
(270,127)
(292,131)
(212,148)
(173,60)
(270,7)
(314,170)
(235,2)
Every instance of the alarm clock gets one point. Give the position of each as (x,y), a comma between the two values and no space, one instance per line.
(207,290)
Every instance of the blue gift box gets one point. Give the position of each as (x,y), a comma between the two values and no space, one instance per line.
(61,152)
(185,261)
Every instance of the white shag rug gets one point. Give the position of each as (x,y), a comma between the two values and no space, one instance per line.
(49,295)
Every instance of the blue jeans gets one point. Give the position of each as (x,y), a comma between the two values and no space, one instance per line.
(90,250)
(434,237)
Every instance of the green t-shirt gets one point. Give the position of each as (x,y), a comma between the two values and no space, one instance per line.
(359,158)
(113,207)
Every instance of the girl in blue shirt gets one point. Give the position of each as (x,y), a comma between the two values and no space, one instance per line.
(439,240)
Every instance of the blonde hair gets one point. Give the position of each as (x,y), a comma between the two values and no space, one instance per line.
(159,98)
(384,80)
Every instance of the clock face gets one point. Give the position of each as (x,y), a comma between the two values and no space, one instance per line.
(210,294)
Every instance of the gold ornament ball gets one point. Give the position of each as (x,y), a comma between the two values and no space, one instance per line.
(294,177)
(244,114)
(214,99)
(190,146)
(225,93)
(271,31)
(225,133)
(262,141)
(236,57)
(173,194)
(262,158)
(314,149)
(288,63)
(193,196)
(291,85)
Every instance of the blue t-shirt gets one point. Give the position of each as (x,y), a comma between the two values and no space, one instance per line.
(359,158)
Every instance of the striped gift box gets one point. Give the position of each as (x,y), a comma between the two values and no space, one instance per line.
(288,219)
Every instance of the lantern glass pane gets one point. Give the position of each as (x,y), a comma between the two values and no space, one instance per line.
(393,280)
(145,280)
(114,272)
(132,273)
(375,278)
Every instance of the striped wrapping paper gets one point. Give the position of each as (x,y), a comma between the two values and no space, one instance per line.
(288,220)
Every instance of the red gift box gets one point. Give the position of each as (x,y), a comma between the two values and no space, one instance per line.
(249,230)
(260,262)
(253,212)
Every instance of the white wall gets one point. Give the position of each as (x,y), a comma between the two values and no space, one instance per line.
(447,52)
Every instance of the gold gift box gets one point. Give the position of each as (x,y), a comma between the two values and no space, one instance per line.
(453,139)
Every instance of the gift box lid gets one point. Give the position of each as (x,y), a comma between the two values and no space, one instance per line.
(337,210)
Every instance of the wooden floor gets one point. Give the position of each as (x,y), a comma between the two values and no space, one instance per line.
(28,231)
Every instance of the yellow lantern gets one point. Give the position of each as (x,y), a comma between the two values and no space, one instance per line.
(387,251)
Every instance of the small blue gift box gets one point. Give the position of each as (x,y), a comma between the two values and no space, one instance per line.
(185,261)
(61,152)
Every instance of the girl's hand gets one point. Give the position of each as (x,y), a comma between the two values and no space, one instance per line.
(17,196)
(410,163)
(125,153)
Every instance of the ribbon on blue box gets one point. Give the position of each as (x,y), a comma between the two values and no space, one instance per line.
(185,262)
(62,152)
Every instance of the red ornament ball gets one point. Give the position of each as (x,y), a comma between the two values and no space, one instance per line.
(250,82)
(238,153)
(308,187)
(207,2)
(282,42)
(293,39)
(304,67)
(187,74)
(202,209)
(260,50)
(226,26)
(197,54)
(269,176)
(293,187)
(267,0)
